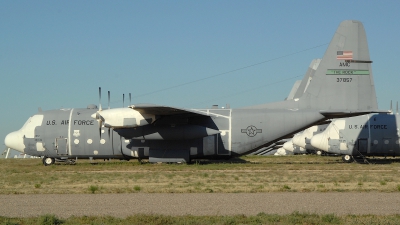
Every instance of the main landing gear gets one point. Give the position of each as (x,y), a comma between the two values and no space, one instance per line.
(47,161)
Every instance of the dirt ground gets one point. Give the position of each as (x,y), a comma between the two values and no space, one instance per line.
(123,205)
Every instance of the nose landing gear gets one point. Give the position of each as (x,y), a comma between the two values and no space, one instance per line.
(347,158)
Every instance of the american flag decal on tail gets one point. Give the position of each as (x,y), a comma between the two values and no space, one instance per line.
(344,55)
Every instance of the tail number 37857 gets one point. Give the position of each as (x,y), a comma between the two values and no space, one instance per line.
(344,79)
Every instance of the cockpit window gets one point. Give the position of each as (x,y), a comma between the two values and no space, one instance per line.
(29,127)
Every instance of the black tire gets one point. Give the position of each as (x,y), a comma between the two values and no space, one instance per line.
(71,162)
(47,161)
(347,158)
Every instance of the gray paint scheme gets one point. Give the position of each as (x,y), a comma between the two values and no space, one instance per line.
(306,81)
(295,88)
(367,135)
(75,133)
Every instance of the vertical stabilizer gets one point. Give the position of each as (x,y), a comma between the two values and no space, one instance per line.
(294,90)
(307,78)
(343,81)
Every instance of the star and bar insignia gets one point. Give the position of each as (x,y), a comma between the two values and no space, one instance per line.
(251,131)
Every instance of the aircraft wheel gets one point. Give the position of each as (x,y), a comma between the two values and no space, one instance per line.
(347,158)
(71,162)
(319,152)
(47,161)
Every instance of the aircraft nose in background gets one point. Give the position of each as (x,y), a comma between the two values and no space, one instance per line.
(15,141)
(288,146)
(320,141)
(299,140)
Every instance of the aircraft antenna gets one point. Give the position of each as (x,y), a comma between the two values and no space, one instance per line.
(391,109)
(130,103)
(397,107)
(108,99)
(99,98)
(123,100)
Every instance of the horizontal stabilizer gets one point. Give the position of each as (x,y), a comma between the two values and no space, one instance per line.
(336,114)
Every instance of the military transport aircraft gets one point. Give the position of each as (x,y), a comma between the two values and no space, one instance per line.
(294,149)
(366,135)
(303,139)
(341,86)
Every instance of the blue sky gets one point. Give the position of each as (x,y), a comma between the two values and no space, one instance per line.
(55,54)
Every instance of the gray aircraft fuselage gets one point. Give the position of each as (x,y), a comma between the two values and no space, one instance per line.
(73,133)
(367,135)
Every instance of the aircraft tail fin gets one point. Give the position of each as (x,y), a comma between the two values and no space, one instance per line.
(343,81)
(294,90)
(307,78)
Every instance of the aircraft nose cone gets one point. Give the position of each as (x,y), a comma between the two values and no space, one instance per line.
(280,151)
(288,146)
(320,141)
(15,141)
(299,140)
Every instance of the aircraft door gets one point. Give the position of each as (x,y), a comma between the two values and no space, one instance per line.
(363,146)
(209,145)
(223,143)
(387,147)
(62,146)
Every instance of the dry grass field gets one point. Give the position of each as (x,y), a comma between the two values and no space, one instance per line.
(247,174)
(294,218)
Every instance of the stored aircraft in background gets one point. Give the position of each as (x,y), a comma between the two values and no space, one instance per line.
(300,142)
(13,154)
(303,139)
(366,135)
(293,149)
(271,149)
(341,86)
